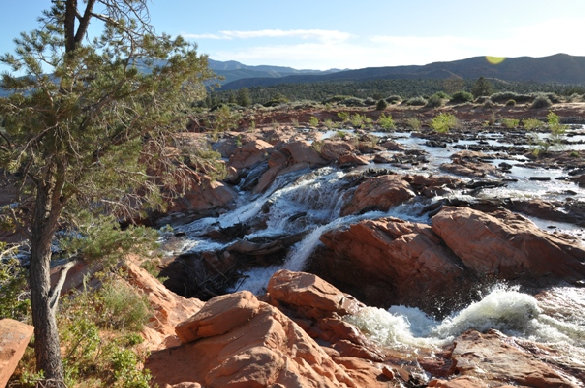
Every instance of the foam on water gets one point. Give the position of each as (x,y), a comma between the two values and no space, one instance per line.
(504,309)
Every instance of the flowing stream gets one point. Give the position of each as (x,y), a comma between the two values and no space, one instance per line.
(308,203)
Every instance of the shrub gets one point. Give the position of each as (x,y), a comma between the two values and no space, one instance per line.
(394,99)
(416,101)
(511,103)
(381,105)
(541,101)
(329,124)
(343,116)
(14,301)
(358,121)
(444,122)
(461,97)
(511,123)
(413,123)
(386,122)
(488,104)
(435,101)
(313,122)
(530,124)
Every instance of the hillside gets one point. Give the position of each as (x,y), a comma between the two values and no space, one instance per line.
(560,68)
(233,71)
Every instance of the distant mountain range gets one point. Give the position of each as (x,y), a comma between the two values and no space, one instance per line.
(558,69)
(233,71)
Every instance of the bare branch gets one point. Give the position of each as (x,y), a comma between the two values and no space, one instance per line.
(55,293)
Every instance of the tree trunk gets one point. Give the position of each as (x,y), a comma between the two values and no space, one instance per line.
(46,335)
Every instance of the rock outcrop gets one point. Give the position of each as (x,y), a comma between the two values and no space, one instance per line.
(169,308)
(495,359)
(470,164)
(238,341)
(14,338)
(388,261)
(506,245)
(382,193)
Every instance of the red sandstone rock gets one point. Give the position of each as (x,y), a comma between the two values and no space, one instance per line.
(169,309)
(202,192)
(381,192)
(310,295)
(302,152)
(388,261)
(239,341)
(496,359)
(14,338)
(506,244)
(250,154)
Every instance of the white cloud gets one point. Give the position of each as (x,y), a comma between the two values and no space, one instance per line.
(306,34)
(323,49)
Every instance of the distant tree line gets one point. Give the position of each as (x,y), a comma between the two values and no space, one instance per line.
(378,89)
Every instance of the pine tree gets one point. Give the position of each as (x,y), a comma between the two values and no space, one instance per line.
(482,87)
(86,123)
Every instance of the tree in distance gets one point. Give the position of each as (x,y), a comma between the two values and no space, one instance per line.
(86,123)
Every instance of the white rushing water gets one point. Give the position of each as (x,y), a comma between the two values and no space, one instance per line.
(307,203)
(505,309)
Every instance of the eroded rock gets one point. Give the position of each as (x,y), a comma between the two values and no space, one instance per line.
(505,244)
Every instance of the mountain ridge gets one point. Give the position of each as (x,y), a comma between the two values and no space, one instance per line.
(558,68)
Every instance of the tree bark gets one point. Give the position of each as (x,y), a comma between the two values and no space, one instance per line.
(46,334)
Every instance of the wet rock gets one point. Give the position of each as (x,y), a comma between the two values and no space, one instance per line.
(14,338)
(388,261)
(506,245)
(382,192)
(238,341)
(580,180)
(470,164)
(495,359)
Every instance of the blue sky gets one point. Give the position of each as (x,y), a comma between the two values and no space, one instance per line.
(322,34)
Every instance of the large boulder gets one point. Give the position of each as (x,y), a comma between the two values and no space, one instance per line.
(250,154)
(238,341)
(388,261)
(309,295)
(505,244)
(201,192)
(382,192)
(14,338)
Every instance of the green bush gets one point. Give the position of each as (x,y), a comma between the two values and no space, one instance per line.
(413,123)
(435,101)
(416,101)
(511,123)
(511,103)
(530,124)
(541,101)
(313,122)
(381,105)
(444,122)
(386,122)
(461,97)
(14,300)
